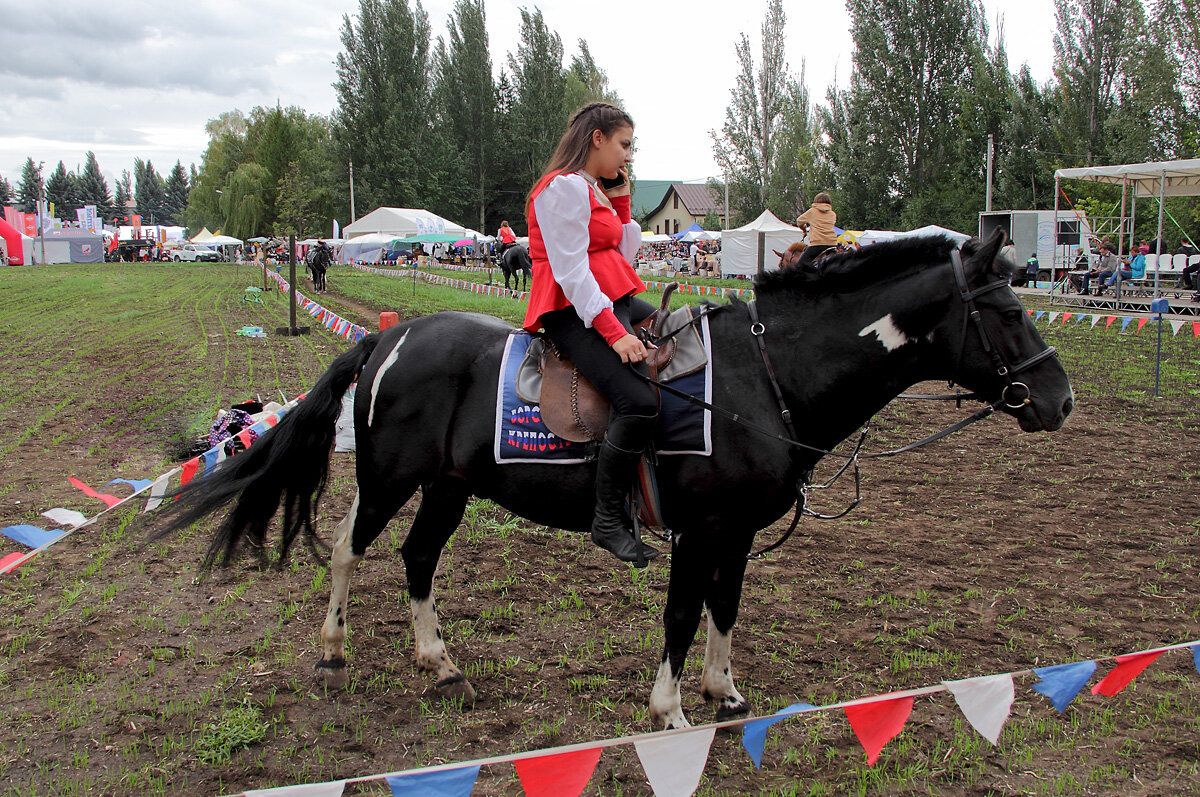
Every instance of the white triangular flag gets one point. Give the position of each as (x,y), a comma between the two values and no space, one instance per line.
(1095,319)
(158,490)
(305,790)
(675,763)
(1052,317)
(1176,326)
(985,702)
(66,517)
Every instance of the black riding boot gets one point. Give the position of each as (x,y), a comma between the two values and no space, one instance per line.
(626,439)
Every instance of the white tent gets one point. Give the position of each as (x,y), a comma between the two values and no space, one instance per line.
(869,237)
(367,248)
(220,240)
(747,248)
(402,223)
(1182,177)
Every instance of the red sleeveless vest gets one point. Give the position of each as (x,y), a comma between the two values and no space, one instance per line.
(612,271)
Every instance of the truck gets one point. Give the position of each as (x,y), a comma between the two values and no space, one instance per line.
(1034,231)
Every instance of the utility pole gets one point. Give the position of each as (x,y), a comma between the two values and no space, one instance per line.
(990,154)
(353,218)
(727,200)
(42,211)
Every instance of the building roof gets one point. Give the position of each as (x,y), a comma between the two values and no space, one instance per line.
(648,195)
(697,199)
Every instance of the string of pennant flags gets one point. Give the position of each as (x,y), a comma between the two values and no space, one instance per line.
(1094,319)
(674,761)
(39,539)
(339,326)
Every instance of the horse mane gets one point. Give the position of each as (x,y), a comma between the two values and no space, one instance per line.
(871,264)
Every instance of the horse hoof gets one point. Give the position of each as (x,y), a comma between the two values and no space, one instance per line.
(456,688)
(333,673)
(734,711)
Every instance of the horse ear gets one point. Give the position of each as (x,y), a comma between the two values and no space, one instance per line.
(986,251)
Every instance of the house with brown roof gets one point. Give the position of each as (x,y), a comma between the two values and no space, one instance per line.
(683,205)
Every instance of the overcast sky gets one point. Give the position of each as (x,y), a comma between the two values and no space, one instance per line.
(139,78)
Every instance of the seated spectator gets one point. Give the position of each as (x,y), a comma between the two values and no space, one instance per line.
(1108,265)
(1136,270)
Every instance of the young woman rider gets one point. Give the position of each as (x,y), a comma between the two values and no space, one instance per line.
(582,240)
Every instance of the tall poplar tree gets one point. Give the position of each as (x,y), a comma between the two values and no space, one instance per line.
(1090,46)
(539,115)
(467,101)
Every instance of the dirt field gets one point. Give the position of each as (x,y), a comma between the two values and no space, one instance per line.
(127,671)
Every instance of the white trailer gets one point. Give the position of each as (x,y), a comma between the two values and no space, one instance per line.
(1035,231)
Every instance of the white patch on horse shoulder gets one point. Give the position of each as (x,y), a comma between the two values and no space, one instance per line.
(890,335)
(388,363)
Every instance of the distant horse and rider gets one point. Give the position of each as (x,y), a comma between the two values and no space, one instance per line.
(317,261)
(845,339)
(515,262)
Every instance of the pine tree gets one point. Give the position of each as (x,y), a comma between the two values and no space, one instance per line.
(149,192)
(30,190)
(121,196)
(93,188)
(61,193)
(176,194)
(6,191)
(587,82)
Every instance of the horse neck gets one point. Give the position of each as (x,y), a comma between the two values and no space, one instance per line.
(834,374)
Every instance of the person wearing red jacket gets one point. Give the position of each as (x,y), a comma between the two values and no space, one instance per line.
(581,241)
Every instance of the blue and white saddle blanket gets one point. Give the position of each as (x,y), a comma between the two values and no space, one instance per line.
(521,436)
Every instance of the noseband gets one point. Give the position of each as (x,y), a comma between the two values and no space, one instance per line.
(1015,394)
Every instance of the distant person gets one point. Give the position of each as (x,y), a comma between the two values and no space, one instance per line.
(694,258)
(817,223)
(1029,276)
(1188,277)
(507,238)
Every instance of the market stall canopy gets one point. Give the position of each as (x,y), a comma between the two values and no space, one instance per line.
(202,236)
(682,234)
(743,249)
(1182,176)
(651,238)
(368,248)
(403,223)
(431,238)
(220,240)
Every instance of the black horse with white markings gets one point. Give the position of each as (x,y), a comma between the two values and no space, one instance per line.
(844,340)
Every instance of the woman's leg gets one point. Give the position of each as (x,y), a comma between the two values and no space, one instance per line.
(635,410)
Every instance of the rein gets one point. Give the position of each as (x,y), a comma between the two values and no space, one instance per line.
(1010,397)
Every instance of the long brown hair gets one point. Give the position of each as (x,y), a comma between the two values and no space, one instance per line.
(573,148)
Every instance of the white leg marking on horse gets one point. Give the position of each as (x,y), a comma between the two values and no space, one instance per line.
(716,682)
(665,707)
(383,369)
(885,329)
(427,636)
(341,567)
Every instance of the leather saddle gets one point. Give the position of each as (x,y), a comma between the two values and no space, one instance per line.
(571,406)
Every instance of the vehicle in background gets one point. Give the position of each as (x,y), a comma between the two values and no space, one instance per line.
(1034,231)
(194,252)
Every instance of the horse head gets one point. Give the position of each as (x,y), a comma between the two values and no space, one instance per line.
(873,322)
(790,257)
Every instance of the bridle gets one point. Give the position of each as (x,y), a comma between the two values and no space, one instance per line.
(1014,395)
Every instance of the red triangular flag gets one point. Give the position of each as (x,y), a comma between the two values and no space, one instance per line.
(8,560)
(875,724)
(1110,321)
(108,500)
(561,775)
(1066,317)
(1128,667)
(1196,329)
(189,470)
(1141,323)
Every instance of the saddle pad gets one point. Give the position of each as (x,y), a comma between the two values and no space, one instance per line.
(522,437)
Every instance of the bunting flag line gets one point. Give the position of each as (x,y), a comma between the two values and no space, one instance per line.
(196,466)
(674,760)
(346,329)
(136,484)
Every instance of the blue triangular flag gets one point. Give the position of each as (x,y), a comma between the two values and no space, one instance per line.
(1126,321)
(136,484)
(447,783)
(754,733)
(1039,315)
(30,535)
(1196,656)
(1062,682)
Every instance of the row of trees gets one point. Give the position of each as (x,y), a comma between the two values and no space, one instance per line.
(422,120)
(905,143)
(157,200)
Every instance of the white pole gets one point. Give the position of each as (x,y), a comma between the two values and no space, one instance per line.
(353,218)
(1162,195)
(726,201)
(990,150)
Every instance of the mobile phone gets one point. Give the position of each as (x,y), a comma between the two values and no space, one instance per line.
(608,183)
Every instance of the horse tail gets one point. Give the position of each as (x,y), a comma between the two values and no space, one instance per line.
(289,464)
